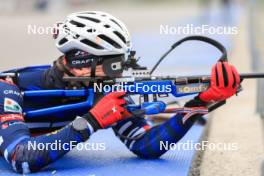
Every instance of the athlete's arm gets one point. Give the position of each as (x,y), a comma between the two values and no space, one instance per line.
(25,153)
(147,140)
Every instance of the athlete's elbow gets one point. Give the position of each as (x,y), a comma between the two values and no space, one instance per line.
(26,161)
(25,165)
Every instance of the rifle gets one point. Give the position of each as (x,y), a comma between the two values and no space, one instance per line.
(149,101)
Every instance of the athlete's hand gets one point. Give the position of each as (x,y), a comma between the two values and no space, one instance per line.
(110,109)
(224,83)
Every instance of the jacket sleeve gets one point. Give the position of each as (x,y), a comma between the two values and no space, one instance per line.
(146,141)
(25,153)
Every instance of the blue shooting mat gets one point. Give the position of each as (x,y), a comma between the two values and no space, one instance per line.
(116,159)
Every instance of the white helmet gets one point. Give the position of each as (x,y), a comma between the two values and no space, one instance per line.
(97,33)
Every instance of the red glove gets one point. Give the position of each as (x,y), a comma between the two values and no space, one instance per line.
(110,110)
(224,83)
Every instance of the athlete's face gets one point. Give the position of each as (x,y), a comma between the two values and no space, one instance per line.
(87,71)
(78,72)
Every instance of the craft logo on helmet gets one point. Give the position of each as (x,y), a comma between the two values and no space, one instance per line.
(80,58)
(12,106)
(80,62)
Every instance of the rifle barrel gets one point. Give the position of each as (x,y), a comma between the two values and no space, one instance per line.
(178,80)
(206,78)
(251,75)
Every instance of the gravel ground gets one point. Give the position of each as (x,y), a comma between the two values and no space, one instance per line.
(237,122)
(259,39)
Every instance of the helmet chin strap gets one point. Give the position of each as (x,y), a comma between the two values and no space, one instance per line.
(93,67)
(93,70)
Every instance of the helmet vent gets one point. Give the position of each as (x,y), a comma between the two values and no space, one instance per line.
(120,36)
(107,26)
(112,42)
(78,24)
(62,41)
(116,23)
(91,19)
(91,30)
(92,44)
